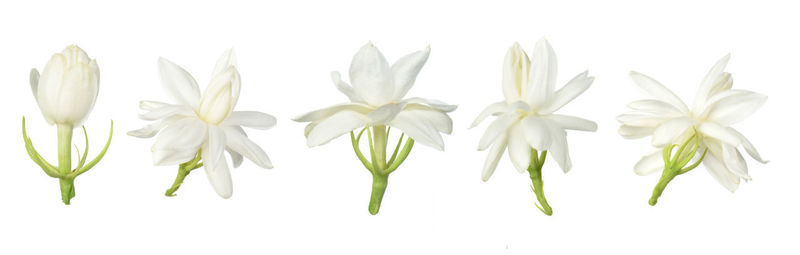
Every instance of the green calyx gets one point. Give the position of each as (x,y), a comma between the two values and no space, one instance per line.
(676,164)
(64,171)
(183,171)
(535,171)
(379,165)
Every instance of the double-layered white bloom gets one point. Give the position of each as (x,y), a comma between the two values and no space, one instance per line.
(376,98)
(526,118)
(204,123)
(67,89)
(667,120)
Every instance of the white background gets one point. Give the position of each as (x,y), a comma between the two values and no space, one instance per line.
(315,200)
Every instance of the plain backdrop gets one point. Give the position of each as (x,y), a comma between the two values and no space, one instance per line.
(315,199)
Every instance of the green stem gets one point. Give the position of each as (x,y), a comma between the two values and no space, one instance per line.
(666,176)
(65,162)
(379,182)
(535,170)
(184,170)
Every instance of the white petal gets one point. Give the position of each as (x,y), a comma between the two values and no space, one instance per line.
(713,77)
(236,158)
(214,162)
(335,126)
(436,104)
(721,173)
(518,149)
(251,119)
(493,157)
(650,163)
(179,142)
(148,105)
(227,59)
(559,149)
(631,132)
(720,133)
(220,97)
(345,88)
(535,132)
(544,69)
(734,161)
(668,132)
(371,76)
(438,119)
(240,144)
(167,111)
(516,69)
(414,126)
(384,114)
(572,123)
(570,91)
(658,91)
(152,129)
(498,127)
(751,150)
(34,80)
(180,85)
(642,120)
(405,71)
(492,109)
(321,114)
(735,108)
(655,107)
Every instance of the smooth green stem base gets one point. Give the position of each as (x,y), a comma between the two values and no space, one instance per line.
(379,183)
(666,177)
(177,183)
(67,189)
(535,171)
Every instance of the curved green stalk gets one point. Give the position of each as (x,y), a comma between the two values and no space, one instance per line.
(184,170)
(535,171)
(675,165)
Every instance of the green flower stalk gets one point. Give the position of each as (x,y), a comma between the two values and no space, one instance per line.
(377,105)
(66,93)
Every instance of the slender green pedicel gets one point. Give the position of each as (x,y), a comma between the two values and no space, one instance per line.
(64,171)
(379,166)
(183,171)
(675,165)
(535,171)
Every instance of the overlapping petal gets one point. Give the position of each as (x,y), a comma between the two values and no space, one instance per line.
(179,84)
(371,76)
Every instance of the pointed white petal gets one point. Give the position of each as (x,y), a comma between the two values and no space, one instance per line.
(371,76)
(642,120)
(516,69)
(335,126)
(436,104)
(735,108)
(179,142)
(720,133)
(251,119)
(668,132)
(493,157)
(631,132)
(227,59)
(498,127)
(492,109)
(713,77)
(544,69)
(570,91)
(416,127)
(734,161)
(655,107)
(751,150)
(236,158)
(518,149)
(345,88)
(559,149)
(438,119)
(321,114)
(180,85)
(650,163)
(167,111)
(657,91)
(572,122)
(240,144)
(34,79)
(536,132)
(148,105)
(152,129)
(215,164)
(405,71)
(721,173)
(384,114)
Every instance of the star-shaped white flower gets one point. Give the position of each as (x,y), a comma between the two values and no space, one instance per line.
(667,120)
(377,98)
(526,118)
(205,124)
